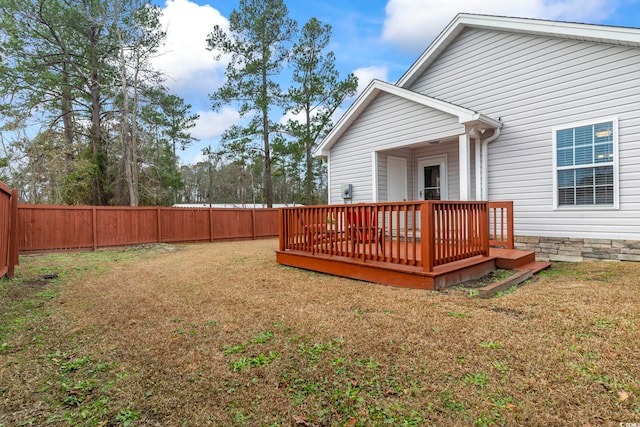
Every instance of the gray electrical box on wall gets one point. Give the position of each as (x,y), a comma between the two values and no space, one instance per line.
(346,191)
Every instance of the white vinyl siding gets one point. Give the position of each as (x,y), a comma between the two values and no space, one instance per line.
(450,150)
(447,147)
(534,84)
(389,122)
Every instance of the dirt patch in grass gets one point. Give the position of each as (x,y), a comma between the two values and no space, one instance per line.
(493,277)
(218,334)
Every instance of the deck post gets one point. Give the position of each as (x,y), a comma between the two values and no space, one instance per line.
(281,228)
(427,242)
(510,232)
(484,228)
(13,233)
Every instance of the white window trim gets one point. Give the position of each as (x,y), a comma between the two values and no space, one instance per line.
(616,161)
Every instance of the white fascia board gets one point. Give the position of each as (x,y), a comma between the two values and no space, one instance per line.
(478,118)
(348,118)
(432,52)
(436,104)
(372,90)
(464,115)
(588,32)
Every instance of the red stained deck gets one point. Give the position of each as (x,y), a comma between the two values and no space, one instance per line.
(424,245)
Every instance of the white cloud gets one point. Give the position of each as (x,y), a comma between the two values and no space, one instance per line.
(184,53)
(413,24)
(289,115)
(365,75)
(212,124)
(299,116)
(198,158)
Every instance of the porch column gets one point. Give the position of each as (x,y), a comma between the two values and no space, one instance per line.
(478,175)
(374,176)
(465,166)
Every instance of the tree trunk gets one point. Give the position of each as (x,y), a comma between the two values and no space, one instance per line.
(134,133)
(67,120)
(268,186)
(309,161)
(99,156)
(126,134)
(97,142)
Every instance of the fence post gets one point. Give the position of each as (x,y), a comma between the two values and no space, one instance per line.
(94,221)
(253,224)
(211,224)
(158,224)
(428,235)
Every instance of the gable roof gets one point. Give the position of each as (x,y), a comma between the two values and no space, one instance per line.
(625,36)
(465,115)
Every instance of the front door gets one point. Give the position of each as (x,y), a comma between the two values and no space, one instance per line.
(396,179)
(432,178)
(396,192)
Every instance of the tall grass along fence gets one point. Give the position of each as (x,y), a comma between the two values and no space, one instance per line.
(55,228)
(8,230)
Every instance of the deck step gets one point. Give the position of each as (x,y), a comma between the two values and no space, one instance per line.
(524,273)
(512,259)
(535,267)
(504,284)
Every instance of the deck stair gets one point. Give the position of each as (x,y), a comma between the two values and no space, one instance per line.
(513,259)
(524,262)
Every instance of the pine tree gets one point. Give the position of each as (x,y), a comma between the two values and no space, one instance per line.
(317,94)
(259,36)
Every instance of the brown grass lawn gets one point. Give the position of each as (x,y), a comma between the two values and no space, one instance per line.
(219,334)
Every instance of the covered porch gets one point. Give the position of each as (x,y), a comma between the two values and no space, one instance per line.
(418,244)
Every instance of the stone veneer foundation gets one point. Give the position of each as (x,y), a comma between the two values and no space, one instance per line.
(576,250)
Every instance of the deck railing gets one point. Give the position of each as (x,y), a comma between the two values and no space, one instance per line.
(419,234)
(455,231)
(501,224)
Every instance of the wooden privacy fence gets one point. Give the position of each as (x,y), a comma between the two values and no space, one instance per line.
(50,228)
(8,230)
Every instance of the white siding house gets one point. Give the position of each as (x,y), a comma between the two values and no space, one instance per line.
(543,113)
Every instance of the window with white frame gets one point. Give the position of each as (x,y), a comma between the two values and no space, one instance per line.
(586,164)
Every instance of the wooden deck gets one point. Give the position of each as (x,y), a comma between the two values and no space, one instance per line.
(423,245)
(407,276)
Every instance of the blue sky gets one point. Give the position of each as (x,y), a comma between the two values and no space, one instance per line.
(371,38)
